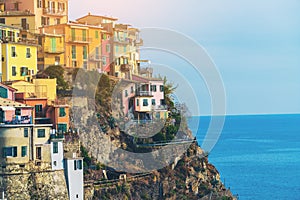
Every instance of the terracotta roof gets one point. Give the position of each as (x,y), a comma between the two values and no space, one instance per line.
(7,102)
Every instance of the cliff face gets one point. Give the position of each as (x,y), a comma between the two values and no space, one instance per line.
(185,172)
(35,185)
(191,178)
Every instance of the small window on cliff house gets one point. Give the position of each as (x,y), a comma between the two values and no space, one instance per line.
(9,152)
(62,112)
(41,133)
(145,102)
(25,132)
(137,102)
(126,93)
(55,147)
(24,151)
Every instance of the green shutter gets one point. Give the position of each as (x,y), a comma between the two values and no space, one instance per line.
(84,52)
(73,34)
(53,44)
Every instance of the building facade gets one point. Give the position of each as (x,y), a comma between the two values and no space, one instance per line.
(46,12)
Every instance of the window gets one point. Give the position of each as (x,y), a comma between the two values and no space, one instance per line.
(55,147)
(125,60)
(57,60)
(84,52)
(126,93)
(73,34)
(145,102)
(62,128)
(62,112)
(57,21)
(73,52)
(104,61)
(18,111)
(41,133)
(2,20)
(38,108)
(13,52)
(74,63)
(137,102)
(39,3)
(85,64)
(161,88)
(45,20)
(108,48)
(13,70)
(104,36)
(28,54)
(25,132)
(77,164)
(24,71)
(83,35)
(131,89)
(153,102)
(10,152)
(97,54)
(96,34)
(162,102)
(24,151)
(153,88)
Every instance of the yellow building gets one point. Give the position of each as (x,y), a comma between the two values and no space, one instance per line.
(126,51)
(46,12)
(51,50)
(38,88)
(19,56)
(22,19)
(82,44)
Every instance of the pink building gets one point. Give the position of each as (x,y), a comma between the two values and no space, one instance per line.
(143,97)
(12,112)
(7,92)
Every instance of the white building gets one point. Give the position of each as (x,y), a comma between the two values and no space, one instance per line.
(74,176)
(57,151)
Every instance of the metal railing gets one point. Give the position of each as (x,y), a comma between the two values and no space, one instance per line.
(50,11)
(143,93)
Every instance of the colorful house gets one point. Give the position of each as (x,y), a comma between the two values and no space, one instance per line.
(19,56)
(38,88)
(149,98)
(82,44)
(24,20)
(46,12)
(51,50)
(107,37)
(7,92)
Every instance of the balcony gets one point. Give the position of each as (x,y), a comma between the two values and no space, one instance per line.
(18,120)
(139,42)
(57,50)
(143,94)
(159,107)
(57,136)
(56,12)
(125,41)
(125,67)
(79,40)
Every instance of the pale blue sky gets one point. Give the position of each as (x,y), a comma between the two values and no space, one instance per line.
(255,44)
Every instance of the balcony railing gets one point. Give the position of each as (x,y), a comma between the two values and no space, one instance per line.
(57,136)
(56,50)
(143,93)
(18,120)
(80,39)
(159,107)
(125,67)
(49,11)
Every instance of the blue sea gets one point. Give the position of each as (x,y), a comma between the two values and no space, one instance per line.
(258,156)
